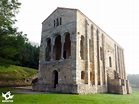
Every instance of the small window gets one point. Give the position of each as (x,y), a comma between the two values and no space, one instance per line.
(82,47)
(101,53)
(82,75)
(60,21)
(54,23)
(91,76)
(57,22)
(110,63)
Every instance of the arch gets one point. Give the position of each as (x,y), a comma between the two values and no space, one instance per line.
(57,48)
(67,46)
(82,74)
(55,78)
(82,47)
(48,50)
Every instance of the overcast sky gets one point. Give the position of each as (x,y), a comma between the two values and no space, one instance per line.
(118,18)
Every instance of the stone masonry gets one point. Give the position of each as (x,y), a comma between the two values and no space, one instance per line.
(76,56)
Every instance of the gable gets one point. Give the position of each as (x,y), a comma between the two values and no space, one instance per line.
(59,12)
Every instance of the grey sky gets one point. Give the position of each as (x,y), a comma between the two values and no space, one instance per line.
(118,18)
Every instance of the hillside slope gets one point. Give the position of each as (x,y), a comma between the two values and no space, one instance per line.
(16,76)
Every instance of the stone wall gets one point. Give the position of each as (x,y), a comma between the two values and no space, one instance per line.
(117,86)
(62,88)
(65,68)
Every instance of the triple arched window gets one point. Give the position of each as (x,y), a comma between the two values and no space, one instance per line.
(60,49)
(57,22)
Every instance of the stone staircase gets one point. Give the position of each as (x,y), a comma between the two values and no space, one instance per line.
(117,84)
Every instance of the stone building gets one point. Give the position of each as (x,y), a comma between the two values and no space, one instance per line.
(76,56)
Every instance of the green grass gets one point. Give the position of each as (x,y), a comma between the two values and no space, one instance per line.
(13,72)
(16,72)
(53,98)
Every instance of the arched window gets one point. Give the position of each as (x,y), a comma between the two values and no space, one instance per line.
(54,23)
(67,46)
(82,47)
(48,50)
(60,21)
(110,62)
(82,75)
(57,48)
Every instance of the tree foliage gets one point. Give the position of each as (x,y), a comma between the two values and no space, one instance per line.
(8,11)
(14,46)
(133,79)
(8,33)
(29,56)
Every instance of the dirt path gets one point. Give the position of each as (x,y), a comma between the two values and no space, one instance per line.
(25,90)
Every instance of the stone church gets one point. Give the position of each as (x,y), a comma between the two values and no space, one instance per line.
(77,56)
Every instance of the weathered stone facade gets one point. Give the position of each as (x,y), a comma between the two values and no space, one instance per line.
(76,56)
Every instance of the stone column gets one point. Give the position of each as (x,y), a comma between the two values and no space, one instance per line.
(52,47)
(124,73)
(122,64)
(103,59)
(62,50)
(115,58)
(98,57)
(118,61)
(62,46)
(86,51)
(121,69)
(124,67)
(95,56)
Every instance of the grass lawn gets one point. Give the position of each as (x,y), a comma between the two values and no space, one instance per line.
(53,98)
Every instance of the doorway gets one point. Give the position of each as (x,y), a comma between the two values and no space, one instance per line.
(55,77)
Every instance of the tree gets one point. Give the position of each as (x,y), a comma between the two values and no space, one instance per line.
(8,10)
(133,79)
(14,46)
(29,56)
(10,39)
